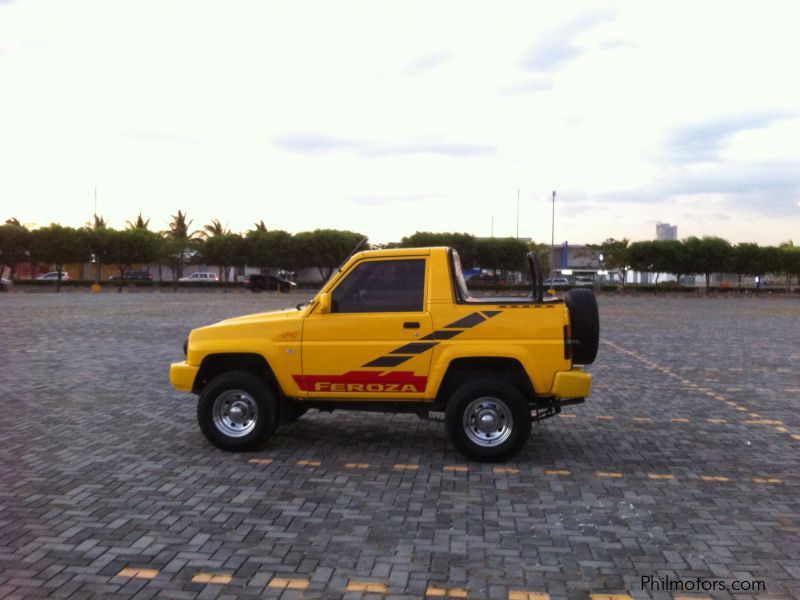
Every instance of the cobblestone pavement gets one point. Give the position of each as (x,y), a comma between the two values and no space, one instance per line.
(683,464)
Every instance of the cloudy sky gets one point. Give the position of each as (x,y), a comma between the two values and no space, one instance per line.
(388,118)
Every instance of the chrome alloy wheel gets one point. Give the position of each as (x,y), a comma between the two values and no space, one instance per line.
(235,413)
(488,422)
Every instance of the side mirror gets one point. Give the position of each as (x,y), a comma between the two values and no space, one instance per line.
(324,303)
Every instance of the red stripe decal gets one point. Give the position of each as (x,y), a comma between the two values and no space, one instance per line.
(364,382)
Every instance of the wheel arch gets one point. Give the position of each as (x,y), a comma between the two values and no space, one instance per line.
(216,364)
(508,368)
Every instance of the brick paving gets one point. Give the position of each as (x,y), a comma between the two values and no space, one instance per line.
(683,464)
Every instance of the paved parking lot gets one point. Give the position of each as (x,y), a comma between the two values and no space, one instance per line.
(683,465)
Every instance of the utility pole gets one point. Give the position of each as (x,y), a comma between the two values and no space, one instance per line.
(552,237)
(492,225)
(517,213)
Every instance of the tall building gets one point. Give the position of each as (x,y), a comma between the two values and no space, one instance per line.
(665,231)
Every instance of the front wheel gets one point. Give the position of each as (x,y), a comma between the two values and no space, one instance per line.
(488,420)
(237,411)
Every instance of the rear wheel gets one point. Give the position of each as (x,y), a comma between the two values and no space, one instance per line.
(237,411)
(488,419)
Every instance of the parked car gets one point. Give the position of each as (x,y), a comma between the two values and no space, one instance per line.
(5,284)
(201,277)
(556,282)
(53,276)
(133,276)
(584,280)
(259,282)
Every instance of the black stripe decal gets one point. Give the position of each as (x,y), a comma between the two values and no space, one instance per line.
(468,321)
(387,361)
(441,334)
(414,348)
(490,313)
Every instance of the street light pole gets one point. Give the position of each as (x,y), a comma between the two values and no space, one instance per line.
(552,237)
(517,213)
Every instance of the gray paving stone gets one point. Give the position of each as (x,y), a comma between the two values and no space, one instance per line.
(103,467)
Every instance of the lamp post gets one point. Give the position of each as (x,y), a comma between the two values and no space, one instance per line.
(552,238)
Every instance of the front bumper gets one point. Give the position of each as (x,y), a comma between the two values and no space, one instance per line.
(182,376)
(571,384)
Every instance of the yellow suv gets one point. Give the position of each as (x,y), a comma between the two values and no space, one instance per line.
(397,331)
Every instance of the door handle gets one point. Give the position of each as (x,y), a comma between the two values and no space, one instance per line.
(410,325)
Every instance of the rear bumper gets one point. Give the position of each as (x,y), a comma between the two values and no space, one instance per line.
(572,384)
(182,376)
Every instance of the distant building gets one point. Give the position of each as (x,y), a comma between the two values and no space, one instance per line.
(665,231)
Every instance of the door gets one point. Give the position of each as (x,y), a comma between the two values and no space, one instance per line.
(373,342)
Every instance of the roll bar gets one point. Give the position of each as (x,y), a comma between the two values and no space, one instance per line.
(537,282)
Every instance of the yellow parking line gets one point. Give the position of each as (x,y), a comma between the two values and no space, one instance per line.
(782,429)
(401,467)
(604,417)
(612,475)
(713,478)
(288,583)
(211,578)
(357,465)
(138,573)
(610,597)
(446,592)
(718,421)
(680,420)
(455,468)
(567,416)
(366,586)
(642,419)
(518,595)
(660,476)
(557,472)
(308,463)
(796,437)
(260,461)
(767,480)
(763,422)
(506,470)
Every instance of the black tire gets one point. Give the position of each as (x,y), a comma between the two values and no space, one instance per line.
(249,396)
(584,319)
(292,411)
(489,396)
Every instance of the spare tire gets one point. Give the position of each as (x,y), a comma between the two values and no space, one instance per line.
(584,319)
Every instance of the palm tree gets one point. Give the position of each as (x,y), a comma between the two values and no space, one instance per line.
(139,223)
(99,222)
(214,228)
(180,238)
(179,227)
(260,226)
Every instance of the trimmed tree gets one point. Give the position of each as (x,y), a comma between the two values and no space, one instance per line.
(15,246)
(707,255)
(463,243)
(132,246)
(57,246)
